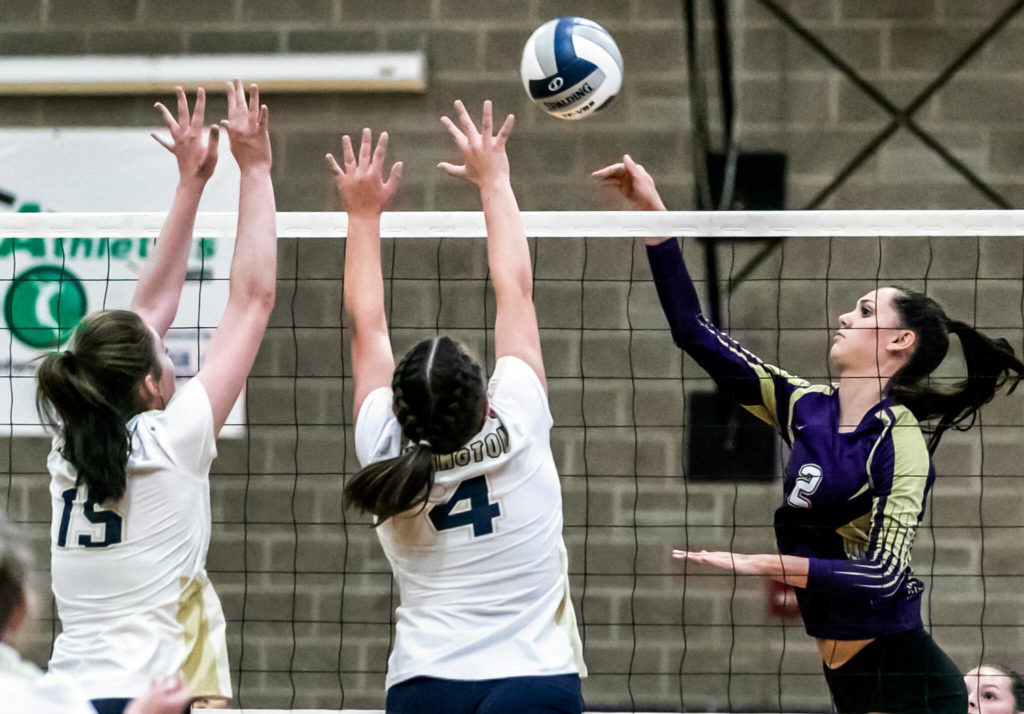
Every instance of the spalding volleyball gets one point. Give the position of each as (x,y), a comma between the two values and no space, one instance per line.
(571,67)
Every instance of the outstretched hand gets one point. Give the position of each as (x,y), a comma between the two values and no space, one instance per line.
(247,126)
(790,569)
(483,152)
(167,696)
(633,182)
(195,160)
(736,562)
(361,184)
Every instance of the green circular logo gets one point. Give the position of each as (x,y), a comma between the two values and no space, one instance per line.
(43,306)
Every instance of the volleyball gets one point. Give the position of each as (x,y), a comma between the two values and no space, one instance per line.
(571,67)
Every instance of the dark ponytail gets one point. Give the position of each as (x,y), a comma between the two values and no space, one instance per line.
(89,393)
(990,364)
(439,398)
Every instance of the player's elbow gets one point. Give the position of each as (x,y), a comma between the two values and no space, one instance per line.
(361,315)
(517,286)
(258,296)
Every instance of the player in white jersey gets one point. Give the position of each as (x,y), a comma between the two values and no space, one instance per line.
(23,686)
(459,474)
(131,459)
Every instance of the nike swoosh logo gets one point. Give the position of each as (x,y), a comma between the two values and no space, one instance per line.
(863,489)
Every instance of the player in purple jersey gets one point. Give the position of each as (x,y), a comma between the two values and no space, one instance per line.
(858,474)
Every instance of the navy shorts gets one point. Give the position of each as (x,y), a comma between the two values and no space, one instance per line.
(117,706)
(558,694)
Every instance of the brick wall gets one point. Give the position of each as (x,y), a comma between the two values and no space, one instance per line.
(304,583)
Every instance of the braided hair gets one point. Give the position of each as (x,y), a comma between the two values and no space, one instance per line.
(990,364)
(439,400)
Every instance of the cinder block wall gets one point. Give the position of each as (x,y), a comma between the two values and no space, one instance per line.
(306,588)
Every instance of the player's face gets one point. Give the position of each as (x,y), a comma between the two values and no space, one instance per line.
(165,385)
(989,691)
(858,348)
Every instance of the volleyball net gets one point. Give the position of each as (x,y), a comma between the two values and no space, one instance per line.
(650,458)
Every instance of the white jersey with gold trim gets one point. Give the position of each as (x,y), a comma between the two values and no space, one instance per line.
(130,578)
(482,570)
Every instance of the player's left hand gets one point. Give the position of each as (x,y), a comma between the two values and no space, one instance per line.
(791,569)
(248,126)
(361,184)
(169,695)
(736,562)
(195,161)
(483,151)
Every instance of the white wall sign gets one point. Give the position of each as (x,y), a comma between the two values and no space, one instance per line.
(49,284)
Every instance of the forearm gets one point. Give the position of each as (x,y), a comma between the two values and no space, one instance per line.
(884,570)
(254,265)
(789,569)
(363,281)
(675,288)
(163,274)
(508,254)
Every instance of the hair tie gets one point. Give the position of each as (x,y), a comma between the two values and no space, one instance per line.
(423,442)
(70,357)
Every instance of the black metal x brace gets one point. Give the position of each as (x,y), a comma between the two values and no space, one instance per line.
(900,117)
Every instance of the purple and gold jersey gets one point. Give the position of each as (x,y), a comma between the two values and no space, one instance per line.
(851,500)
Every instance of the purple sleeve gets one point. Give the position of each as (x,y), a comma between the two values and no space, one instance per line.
(762,388)
(900,473)
(675,290)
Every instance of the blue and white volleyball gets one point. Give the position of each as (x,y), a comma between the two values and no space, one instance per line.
(571,67)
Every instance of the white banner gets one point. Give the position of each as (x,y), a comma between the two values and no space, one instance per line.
(49,284)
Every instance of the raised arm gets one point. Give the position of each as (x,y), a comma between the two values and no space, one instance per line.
(636,185)
(253,276)
(761,388)
(364,195)
(163,275)
(672,280)
(508,255)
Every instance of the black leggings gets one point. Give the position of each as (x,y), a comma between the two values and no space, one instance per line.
(899,674)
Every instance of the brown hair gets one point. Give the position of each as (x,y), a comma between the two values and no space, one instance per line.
(89,392)
(990,365)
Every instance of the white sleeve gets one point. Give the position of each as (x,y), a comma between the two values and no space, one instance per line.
(515,388)
(58,695)
(186,427)
(378,434)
